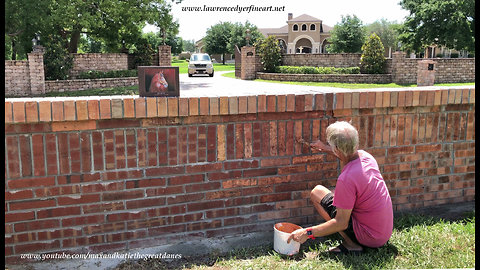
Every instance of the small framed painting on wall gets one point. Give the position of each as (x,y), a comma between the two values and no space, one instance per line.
(158,81)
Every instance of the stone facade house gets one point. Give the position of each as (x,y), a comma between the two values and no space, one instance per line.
(302,34)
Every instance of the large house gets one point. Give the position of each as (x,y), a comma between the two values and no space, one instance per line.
(302,34)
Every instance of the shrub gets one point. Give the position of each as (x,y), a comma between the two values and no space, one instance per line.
(373,60)
(57,60)
(95,74)
(316,70)
(270,53)
(143,54)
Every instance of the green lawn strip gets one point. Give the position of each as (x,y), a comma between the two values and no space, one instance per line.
(183,66)
(416,242)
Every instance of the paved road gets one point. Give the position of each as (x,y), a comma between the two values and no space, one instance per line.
(218,85)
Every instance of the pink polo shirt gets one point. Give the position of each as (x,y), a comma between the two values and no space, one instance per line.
(361,187)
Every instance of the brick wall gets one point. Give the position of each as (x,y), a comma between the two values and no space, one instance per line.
(102,174)
(340,78)
(403,70)
(17,78)
(98,61)
(83,84)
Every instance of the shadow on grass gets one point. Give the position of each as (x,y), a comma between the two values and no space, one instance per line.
(371,258)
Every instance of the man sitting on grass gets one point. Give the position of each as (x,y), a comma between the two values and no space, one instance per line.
(361,207)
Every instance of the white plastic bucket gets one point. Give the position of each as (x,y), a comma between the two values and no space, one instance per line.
(281,233)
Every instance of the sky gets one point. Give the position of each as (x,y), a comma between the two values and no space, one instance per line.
(194,24)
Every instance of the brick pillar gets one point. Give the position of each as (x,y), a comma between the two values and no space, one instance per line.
(425,73)
(397,62)
(36,70)
(164,55)
(248,70)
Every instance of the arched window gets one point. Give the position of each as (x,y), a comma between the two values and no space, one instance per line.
(312,27)
(295,27)
(304,27)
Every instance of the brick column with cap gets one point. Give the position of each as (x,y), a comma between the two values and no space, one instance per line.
(248,69)
(425,73)
(36,70)
(164,55)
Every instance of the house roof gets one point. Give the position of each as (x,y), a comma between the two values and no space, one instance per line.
(304,18)
(274,31)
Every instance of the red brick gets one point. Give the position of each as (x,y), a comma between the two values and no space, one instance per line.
(45,111)
(78,199)
(252,104)
(262,103)
(281,103)
(224,105)
(18,195)
(233,105)
(193,106)
(105,109)
(8,112)
(347,100)
(93,109)
(291,102)
(186,179)
(31,111)
(19,112)
(31,182)
(31,204)
(300,103)
(271,103)
(140,107)
(36,225)
(204,106)
(363,100)
(191,207)
(242,105)
(69,110)
(58,212)
(145,203)
(19,216)
(128,106)
(72,126)
(214,106)
(152,106)
(81,110)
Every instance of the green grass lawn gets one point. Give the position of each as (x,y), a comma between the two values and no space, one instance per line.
(349,85)
(183,66)
(417,242)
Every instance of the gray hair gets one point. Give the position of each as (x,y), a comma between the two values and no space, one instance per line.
(344,137)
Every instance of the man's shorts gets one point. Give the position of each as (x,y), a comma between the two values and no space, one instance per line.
(327,204)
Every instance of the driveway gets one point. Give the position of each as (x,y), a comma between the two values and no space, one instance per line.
(218,85)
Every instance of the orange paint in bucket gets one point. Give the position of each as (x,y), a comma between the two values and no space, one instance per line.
(281,233)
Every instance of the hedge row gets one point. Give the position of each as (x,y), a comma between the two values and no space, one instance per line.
(316,70)
(95,74)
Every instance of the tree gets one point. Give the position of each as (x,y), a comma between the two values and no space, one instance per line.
(387,31)
(450,23)
(164,21)
(373,59)
(23,19)
(348,36)
(238,35)
(270,53)
(218,38)
(118,23)
(189,45)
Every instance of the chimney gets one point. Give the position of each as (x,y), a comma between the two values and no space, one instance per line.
(290,16)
